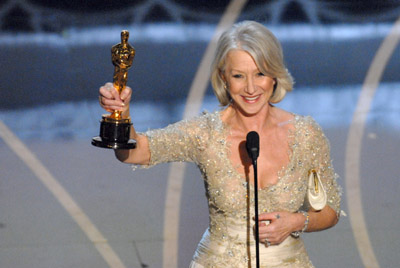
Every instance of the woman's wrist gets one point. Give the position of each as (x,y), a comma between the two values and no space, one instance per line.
(305,224)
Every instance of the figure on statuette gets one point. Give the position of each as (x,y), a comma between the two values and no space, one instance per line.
(122,55)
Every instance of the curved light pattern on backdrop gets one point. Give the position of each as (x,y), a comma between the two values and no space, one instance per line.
(62,196)
(353,147)
(192,107)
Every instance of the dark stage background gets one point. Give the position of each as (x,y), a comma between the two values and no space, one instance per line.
(62,47)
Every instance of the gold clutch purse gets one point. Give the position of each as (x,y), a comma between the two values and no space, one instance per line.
(316,194)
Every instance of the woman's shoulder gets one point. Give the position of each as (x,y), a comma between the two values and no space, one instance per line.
(298,122)
(206,119)
(202,124)
(309,129)
(308,122)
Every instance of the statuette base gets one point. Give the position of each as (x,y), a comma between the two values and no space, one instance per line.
(114,134)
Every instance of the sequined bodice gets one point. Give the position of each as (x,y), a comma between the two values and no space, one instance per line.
(203,140)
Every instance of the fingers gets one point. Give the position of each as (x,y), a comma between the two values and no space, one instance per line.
(263,232)
(273,228)
(126,94)
(269,237)
(268,216)
(111,100)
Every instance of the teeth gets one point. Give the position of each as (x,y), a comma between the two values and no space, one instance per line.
(251,99)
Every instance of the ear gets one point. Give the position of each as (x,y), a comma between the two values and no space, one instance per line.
(275,85)
(222,75)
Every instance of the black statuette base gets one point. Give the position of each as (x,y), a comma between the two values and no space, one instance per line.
(114,134)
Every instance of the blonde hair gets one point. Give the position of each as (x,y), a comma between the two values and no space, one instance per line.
(263,46)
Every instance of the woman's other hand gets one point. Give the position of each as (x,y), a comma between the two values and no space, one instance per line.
(275,227)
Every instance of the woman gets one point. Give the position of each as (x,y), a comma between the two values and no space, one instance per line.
(248,76)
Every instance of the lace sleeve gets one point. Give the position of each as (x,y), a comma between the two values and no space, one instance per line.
(179,142)
(321,161)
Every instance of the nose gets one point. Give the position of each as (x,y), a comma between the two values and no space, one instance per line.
(250,87)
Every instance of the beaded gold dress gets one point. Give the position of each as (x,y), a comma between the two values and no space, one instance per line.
(229,240)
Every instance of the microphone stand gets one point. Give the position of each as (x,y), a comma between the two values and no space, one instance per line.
(253,149)
(256,213)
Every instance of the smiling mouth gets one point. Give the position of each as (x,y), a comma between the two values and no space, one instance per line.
(251,99)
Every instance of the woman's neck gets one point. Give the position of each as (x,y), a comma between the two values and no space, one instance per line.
(239,121)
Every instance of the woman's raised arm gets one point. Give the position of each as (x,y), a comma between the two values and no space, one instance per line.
(110,100)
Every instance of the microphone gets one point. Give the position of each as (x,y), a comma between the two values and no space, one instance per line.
(253,145)
(253,149)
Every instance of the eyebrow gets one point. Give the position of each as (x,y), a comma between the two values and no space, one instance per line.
(258,70)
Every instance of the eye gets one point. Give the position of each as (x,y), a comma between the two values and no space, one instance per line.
(237,76)
(260,74)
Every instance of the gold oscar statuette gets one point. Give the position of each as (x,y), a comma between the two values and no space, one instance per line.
(114,129)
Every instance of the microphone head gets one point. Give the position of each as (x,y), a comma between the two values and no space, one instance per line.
(253,145)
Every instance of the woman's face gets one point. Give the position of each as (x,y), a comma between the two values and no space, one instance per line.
(249,88)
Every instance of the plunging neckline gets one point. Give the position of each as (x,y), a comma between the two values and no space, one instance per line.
(292,140)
